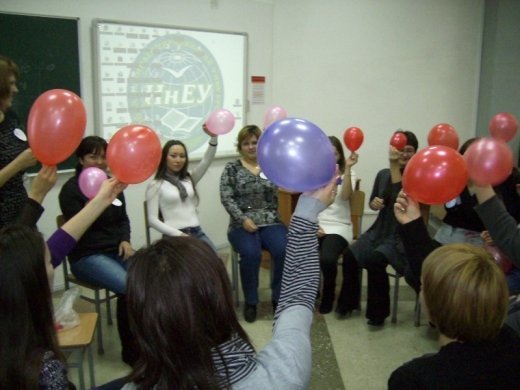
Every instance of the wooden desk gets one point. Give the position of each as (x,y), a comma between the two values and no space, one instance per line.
(80,339)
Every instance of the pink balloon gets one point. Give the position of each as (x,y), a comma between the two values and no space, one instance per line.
(90,180)
(501,259)
(134,153)
(220,122)
(273,114)
(503,126)
(489,161)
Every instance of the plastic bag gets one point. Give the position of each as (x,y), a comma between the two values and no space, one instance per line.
(65,317)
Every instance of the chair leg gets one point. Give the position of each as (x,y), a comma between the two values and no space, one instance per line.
(234,276)
(109,310)
(97,303)
(397,276)
(417,320)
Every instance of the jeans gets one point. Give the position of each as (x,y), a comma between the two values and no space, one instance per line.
(249,246)
(197,232)
(107,270)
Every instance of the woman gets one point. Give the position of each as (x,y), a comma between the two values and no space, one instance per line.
(173,193)
(335,228)
(252,203)
(29,353)
(15,158)
(188,333)
(100,256)
(380,245)
(465,294)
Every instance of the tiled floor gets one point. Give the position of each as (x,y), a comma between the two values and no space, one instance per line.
(346,353)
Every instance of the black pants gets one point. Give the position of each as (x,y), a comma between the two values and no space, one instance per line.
(378,289)
(129,352)
(350,294)
(331,247)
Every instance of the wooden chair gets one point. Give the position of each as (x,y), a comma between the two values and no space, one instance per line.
(97,300)
(79,339)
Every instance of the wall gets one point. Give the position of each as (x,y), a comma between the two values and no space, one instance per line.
(376,64)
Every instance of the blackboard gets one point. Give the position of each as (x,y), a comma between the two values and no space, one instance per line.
(46,50)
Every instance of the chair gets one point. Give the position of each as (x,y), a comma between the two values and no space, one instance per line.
(79,339)
(266,259)
(97,300)
(357,209)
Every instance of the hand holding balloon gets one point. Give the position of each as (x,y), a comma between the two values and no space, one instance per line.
(90,180)
(353,138)
(406,209)
(398,140)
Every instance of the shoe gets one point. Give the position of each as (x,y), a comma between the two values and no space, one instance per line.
(343,313)
(275,305)
(325,306)
(250,313)
(376,322)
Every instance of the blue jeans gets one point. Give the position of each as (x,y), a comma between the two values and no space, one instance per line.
(106,270)
(197,232)
(249,247)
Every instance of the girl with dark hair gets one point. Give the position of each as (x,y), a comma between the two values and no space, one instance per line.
(380,245)
(30,357)
(189,337)
(335,228)
(173,193)
(100,257)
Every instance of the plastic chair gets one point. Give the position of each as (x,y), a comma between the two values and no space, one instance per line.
(97,300)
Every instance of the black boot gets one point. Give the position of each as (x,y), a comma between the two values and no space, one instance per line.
(249,312)
(129,352)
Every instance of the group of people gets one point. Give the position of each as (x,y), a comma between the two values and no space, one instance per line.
(175,313)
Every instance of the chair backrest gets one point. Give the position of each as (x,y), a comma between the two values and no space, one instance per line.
(357,209)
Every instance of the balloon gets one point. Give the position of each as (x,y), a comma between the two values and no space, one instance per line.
(90,180)
(398,140)
(501,259)
(273,114)
(296,155)
(489,161)
(503,126)
(443,134)
(435,175)
(353,138)
(134,153)
(220,122)
(56,125)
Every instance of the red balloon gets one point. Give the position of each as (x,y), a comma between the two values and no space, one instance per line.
(353,138)
(503,126)
(435,175)
(134,153)
(443,134)
(398,140)
(489,161)
(56,125)
(501,259)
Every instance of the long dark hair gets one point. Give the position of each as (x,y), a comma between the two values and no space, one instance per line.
(90,144)
(337,144)
(25,308)
(180,308)
(163,165)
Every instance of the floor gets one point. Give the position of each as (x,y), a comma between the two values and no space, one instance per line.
(346,353)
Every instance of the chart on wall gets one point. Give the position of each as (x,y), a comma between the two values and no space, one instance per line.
(169,79)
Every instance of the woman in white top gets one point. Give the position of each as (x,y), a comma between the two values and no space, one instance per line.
(335,227)
(172,197)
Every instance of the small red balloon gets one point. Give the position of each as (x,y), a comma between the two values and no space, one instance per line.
(503,126)
(435,175)
(489,161)
(353,138)
(134,153)
(443,134)
(398,140)
(56,125)
(501,259)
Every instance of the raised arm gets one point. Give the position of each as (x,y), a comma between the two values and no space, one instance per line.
(349,176)
(204,164)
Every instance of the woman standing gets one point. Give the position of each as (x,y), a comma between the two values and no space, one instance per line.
(15,158)
(173,193)
(335,227)
(252,203)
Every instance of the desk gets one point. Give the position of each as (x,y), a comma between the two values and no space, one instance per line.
(79,339)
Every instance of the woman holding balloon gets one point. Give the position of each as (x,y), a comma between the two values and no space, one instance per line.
(173,193)
(380,244)
(15,158)
(335,228)
(252,203)
(100,256)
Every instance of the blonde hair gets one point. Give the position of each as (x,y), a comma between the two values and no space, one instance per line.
(465,292)
(246,132)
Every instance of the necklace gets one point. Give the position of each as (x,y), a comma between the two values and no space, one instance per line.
(250,166)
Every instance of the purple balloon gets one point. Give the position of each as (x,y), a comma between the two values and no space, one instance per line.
(295,154)
(90,180)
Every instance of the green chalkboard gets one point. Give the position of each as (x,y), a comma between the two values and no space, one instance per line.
(47,53)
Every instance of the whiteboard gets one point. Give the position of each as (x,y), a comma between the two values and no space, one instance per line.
(169,79)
